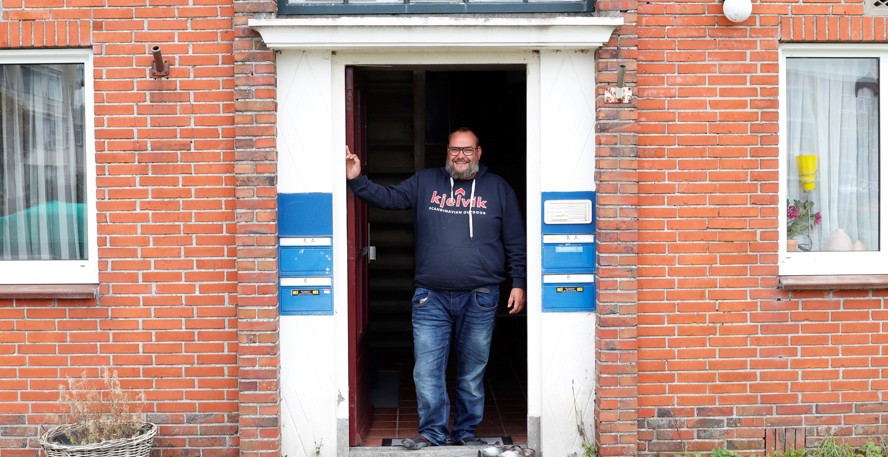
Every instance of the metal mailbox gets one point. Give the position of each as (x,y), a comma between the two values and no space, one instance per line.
(569,292)
(301,296)
(305,254)
(568,251)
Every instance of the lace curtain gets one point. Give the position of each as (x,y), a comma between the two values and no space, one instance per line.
(41,162)
(832,112)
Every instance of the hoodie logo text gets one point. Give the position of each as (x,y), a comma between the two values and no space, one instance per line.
(458,199)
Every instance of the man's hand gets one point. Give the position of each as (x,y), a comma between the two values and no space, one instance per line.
(516,300)
(352,165)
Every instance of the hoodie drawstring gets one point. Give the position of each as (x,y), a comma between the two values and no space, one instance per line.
(471,206)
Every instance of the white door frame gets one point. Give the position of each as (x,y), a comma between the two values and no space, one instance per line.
(559,59)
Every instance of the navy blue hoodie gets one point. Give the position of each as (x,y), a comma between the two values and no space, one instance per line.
(456,250)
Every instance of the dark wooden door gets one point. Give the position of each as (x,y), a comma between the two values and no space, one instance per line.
(360,408)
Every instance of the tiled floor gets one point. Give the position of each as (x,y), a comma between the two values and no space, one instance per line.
(505,411)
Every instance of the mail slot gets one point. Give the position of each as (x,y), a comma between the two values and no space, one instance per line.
(306,256)
(569,252)
(306,296)
(564,293)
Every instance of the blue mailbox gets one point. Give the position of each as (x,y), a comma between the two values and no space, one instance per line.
(568,251)
(305,256)
(306,295)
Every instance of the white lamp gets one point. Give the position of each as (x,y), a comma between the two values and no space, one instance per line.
(737,10)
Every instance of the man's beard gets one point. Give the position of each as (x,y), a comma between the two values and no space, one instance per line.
(471,170)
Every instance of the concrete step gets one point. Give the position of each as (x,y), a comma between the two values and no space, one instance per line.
(431,451)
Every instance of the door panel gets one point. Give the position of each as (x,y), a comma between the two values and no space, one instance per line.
(360,409)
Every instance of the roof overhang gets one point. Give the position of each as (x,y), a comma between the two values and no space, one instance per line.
(436,32)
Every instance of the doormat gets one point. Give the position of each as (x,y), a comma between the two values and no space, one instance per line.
(504,440)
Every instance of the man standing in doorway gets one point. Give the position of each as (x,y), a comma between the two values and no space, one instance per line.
(468,226)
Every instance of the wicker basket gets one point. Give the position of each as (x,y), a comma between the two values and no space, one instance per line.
(138,446)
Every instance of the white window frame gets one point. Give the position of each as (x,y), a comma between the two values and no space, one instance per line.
(834,263)
(84,271)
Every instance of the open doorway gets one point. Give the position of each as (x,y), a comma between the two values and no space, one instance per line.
(408,113)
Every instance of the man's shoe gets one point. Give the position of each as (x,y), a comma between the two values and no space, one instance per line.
(471,441)
(413,444)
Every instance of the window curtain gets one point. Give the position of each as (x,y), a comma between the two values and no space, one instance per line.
(832,112)
(41,162)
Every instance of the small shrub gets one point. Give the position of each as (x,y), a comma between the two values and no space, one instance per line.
(101,414)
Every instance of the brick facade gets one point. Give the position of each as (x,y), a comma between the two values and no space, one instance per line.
(724,355)
(616,402)
(256,178)
(166,317)
(697,345)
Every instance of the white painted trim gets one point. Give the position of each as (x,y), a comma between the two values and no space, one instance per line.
(534,297)
(437,32)
(330,44)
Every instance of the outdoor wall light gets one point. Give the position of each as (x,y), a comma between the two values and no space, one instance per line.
(737,10)
(159,66)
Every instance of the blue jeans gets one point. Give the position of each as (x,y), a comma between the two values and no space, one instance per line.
(468,316)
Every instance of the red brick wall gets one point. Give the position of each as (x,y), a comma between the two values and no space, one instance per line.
(616,218)
(723,354)
(256,180)
(186,199)
(166,315)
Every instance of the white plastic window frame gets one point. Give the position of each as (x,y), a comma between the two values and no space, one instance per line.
(834,263)
(86,271)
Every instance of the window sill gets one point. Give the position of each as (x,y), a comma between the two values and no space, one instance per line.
(834,282)
(55,291)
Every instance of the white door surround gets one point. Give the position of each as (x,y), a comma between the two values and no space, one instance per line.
(558,54)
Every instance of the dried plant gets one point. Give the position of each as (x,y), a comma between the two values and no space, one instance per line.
(590,449)
(101,412)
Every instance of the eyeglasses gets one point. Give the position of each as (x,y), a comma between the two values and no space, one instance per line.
(468,151)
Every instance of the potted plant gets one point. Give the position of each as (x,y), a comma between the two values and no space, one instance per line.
(103,421)
(801,218)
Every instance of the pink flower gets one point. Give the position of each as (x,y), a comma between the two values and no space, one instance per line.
(792,212)
(817,218)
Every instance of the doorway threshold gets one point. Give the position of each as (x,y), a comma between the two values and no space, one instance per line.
(431,451)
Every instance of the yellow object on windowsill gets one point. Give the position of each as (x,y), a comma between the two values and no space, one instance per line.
(807,171)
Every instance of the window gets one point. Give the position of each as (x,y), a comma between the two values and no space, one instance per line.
(47,168)
(308,7)
(831,172)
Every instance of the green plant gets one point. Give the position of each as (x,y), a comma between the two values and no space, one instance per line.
(870,449)
(590,449)
(790,453)
(101,412)
(829,447)
(723,452)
